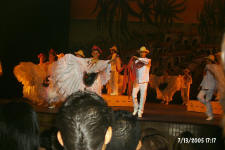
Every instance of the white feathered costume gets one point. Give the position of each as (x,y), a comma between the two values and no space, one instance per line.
(67,76)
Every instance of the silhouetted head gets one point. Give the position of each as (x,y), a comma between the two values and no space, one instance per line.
(126,132)
(84,122)
(152,139)
(19,128)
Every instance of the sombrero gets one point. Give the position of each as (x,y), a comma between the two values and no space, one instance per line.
(143,49)
(80,52)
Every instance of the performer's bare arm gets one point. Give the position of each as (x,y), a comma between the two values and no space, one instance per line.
(146,62)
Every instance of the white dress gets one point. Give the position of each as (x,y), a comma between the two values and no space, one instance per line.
(67,76)
(32,76)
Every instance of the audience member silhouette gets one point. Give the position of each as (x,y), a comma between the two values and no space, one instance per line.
(84,122)
(49,141)
(152,139)
(126,132)
(19,128)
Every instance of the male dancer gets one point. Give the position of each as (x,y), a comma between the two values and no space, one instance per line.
(208,87)
(142,68)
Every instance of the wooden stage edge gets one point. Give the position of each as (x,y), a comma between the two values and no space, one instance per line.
(155,112)
(193,113)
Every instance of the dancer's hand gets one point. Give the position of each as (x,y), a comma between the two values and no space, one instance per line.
(135,57)
(92,62)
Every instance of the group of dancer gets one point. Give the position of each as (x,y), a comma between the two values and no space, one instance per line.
(50,83)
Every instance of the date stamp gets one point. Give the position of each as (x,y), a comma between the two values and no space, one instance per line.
(196,140)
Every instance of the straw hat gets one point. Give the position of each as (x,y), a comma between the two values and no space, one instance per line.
(210,57)
(114,48)
(60,55)
(143,49)
(80,52)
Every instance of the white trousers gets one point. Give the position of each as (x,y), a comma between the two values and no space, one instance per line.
(142,87)
(205,96)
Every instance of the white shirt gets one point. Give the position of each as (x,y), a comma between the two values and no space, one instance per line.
(142,73)
(208,81)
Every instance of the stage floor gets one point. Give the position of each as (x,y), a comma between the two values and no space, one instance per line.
(173,113)
(156,112)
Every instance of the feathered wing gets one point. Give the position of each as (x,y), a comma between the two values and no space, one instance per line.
(67,75)
(174,84)
(31,76)
(103,69)
(105,72)
(24,72)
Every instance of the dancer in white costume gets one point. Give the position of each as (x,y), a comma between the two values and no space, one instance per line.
(142,68)
(68,74)
(32,77)
(218,73)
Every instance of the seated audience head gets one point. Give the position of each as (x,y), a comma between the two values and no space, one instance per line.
(126,132)
(152,139)
(19,128)
(84,122)
(49,141)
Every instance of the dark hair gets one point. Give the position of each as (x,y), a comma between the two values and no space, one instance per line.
(19,128)
(48,139)
(126,132)
(89,78)
(152,139)
(83,121)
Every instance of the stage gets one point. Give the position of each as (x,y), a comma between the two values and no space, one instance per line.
(153,112)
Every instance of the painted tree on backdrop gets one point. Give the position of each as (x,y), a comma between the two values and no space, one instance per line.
(113,16)
(166,12)
(212,21)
